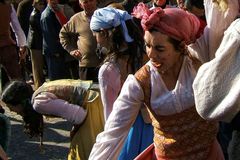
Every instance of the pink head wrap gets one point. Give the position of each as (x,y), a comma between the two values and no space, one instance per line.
(174,22)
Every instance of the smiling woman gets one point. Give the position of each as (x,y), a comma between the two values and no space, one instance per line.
(164,84)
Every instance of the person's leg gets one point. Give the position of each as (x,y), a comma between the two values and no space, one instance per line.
(73,68)
(37,67)
(57,68)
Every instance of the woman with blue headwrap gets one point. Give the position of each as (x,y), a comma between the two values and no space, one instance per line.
(120,44)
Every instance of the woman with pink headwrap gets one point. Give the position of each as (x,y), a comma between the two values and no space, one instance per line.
(164,84)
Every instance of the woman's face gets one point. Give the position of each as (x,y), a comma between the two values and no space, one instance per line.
(101,38)
(102,43)
(160,51)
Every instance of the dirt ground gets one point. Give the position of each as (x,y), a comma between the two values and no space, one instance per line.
(55,140)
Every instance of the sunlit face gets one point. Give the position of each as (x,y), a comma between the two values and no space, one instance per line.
(89,6)
(160,51)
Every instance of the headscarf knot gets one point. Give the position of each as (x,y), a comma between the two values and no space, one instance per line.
(108,17)
(174,22)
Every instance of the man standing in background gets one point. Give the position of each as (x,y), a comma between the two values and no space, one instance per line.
(52,19)
(77,38)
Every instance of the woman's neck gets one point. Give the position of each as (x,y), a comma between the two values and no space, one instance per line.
(170,76)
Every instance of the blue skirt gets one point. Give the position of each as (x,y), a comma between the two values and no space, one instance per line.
(139,138)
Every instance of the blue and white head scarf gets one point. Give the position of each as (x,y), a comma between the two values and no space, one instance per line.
(108,17)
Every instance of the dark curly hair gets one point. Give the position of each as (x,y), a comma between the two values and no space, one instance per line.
(19,92)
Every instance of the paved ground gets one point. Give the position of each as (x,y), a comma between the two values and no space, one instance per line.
(55,140)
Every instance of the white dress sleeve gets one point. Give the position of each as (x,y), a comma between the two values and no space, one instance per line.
(49,104)
(217,22)
(217,84)
(110,85)
(125,109)
(20,36)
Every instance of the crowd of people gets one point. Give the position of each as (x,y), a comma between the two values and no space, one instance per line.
(137,79)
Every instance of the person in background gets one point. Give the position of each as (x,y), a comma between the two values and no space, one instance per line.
(120,44)
(71,62)
(164,84)
(24,11)
(74,100)
(52,19)
(67,9)
(116,5)
(9,57)
(129,4)
(180,3)
(160,3)
(197,8)
(79,41)
(35,42)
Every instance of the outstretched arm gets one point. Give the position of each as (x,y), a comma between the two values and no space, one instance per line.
(125,109)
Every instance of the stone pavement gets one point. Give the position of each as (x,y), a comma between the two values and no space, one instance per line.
(55,140)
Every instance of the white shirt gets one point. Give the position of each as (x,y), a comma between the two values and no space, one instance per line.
(128,104)
(109,78)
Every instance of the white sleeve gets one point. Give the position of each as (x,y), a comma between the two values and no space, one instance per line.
(125,109)
(16,27)
(110,85)
(217,22)
(49,104)
(217,84)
